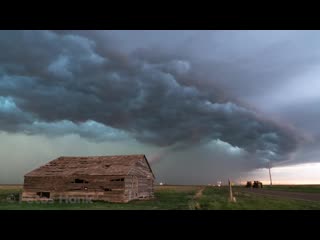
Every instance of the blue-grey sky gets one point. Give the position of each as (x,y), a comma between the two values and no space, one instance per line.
(202,105)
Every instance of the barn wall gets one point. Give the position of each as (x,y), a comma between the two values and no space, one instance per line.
(145,187)
(95,187)
(136,185)
(139,184)
(131,188)
(141,169)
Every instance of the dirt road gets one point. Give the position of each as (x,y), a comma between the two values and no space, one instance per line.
(283,194)
(194,204)
(199,194)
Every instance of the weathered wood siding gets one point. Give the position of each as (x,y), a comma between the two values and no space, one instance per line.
(106,188)
(137,184)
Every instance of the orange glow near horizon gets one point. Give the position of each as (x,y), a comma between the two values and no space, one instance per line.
(308,173)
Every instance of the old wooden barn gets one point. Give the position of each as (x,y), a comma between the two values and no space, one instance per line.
(108,178)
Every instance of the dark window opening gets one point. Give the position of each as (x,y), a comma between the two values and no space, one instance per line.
(117,180)
(106,166)
(106,189)
(79,181)
(44,194)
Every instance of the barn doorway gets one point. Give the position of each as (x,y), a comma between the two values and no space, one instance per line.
(135,187)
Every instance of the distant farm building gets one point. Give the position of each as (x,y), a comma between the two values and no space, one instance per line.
(108,178)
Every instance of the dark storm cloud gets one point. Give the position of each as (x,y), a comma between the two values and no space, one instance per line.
(251,64)
(52,79)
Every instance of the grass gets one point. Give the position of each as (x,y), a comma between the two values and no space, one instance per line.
(295,188)
(166,198)
(169,198)
(214,198)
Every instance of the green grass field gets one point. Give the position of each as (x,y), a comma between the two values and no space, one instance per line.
(174,197)
(295,188)
(214,198)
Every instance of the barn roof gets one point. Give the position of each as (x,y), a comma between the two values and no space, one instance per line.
(91,165)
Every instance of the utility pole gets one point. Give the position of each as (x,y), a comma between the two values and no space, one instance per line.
(230,190)
(270,173)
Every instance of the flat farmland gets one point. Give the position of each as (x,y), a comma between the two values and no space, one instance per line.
(183,197)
